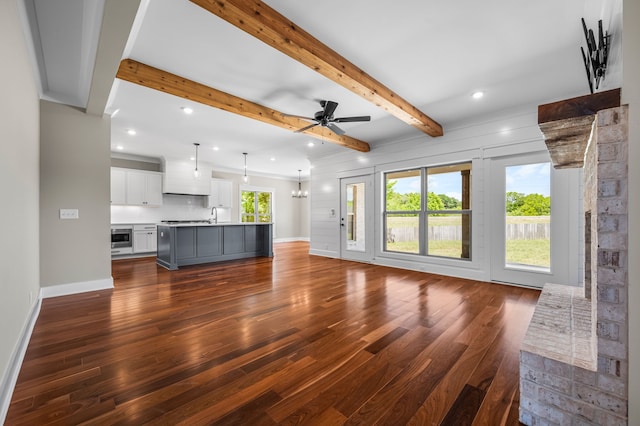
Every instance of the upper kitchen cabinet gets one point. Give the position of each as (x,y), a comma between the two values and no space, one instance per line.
(144,188)
(136,187)
(220,195)
(118,186)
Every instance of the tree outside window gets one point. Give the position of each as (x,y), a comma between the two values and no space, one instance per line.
(442,227)
(256,207)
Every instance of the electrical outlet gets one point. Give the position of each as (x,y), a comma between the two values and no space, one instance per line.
(69,214)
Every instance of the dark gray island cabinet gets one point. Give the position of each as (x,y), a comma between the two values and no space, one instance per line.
(192,244)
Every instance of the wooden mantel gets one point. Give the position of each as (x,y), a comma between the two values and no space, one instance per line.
(566,125)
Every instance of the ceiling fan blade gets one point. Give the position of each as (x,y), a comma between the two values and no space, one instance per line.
(351,119)
(329,108)
(335,129)
(306,128)
(299,116)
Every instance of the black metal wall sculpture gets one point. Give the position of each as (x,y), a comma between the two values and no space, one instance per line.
(595,62)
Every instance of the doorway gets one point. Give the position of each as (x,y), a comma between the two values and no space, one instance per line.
(529,221)
(356,218)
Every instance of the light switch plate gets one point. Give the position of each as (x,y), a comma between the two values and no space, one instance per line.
(69,214)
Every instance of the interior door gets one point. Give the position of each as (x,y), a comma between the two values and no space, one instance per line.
(529,227)
(356,218)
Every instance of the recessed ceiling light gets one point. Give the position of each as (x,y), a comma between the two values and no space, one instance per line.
(119,147)
(273,158)
(215,148)
(131,132)
(186,110)
(310,144)
(477,95)
(192,158)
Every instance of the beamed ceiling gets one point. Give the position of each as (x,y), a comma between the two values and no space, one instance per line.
(250,69)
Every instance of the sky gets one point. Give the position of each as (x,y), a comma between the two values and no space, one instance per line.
(529,179)
(526,179)
(445,183)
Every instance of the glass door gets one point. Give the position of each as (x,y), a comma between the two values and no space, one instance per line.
(526,216)
(356,218)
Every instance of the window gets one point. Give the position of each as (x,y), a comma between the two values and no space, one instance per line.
(256,206)
(449,211)
(428,211)
(403,206)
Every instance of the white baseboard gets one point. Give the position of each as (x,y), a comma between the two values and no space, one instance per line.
(325,253)
(74,288)
(10,377)
(290,240)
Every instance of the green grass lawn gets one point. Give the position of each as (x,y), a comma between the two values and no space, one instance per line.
(529,252)
(523,252)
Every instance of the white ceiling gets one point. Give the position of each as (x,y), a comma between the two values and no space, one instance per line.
(434,54)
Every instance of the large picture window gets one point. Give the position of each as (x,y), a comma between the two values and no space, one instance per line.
(256,206)
(428,211)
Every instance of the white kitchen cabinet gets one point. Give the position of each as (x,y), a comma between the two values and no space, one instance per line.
(145,238)
(136,187)
(118,186)
(221,193)
(144,188)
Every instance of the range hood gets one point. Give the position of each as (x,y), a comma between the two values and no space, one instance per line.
(179,178)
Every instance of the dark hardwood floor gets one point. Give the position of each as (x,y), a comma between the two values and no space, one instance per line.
(296,339)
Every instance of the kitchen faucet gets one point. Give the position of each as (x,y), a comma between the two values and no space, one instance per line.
(214,214)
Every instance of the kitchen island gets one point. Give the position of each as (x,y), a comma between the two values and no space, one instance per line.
(194,243)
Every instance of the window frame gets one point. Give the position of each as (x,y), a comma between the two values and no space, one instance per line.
(424,212)
(256,215)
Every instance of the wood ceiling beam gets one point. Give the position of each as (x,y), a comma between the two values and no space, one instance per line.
(154,78)
(261,21)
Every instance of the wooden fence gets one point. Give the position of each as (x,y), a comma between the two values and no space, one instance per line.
(514,231)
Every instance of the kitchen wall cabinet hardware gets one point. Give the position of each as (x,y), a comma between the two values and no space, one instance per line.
(221,193)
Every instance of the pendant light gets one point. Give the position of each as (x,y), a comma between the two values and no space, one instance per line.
(299,193)
(196,172)
(245,178)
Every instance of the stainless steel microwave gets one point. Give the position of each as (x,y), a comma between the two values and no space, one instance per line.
(121,239)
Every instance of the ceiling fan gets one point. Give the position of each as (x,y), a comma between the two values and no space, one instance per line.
(325,118)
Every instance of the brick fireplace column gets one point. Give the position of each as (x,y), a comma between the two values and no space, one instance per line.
(574,358)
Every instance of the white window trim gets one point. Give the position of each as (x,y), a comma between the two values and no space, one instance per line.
(254,188)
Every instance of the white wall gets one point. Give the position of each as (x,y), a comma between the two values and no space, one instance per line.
(631,96)
(487,138)
(19,132)
(74,174)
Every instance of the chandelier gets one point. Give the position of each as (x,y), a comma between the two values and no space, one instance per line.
(299,193)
